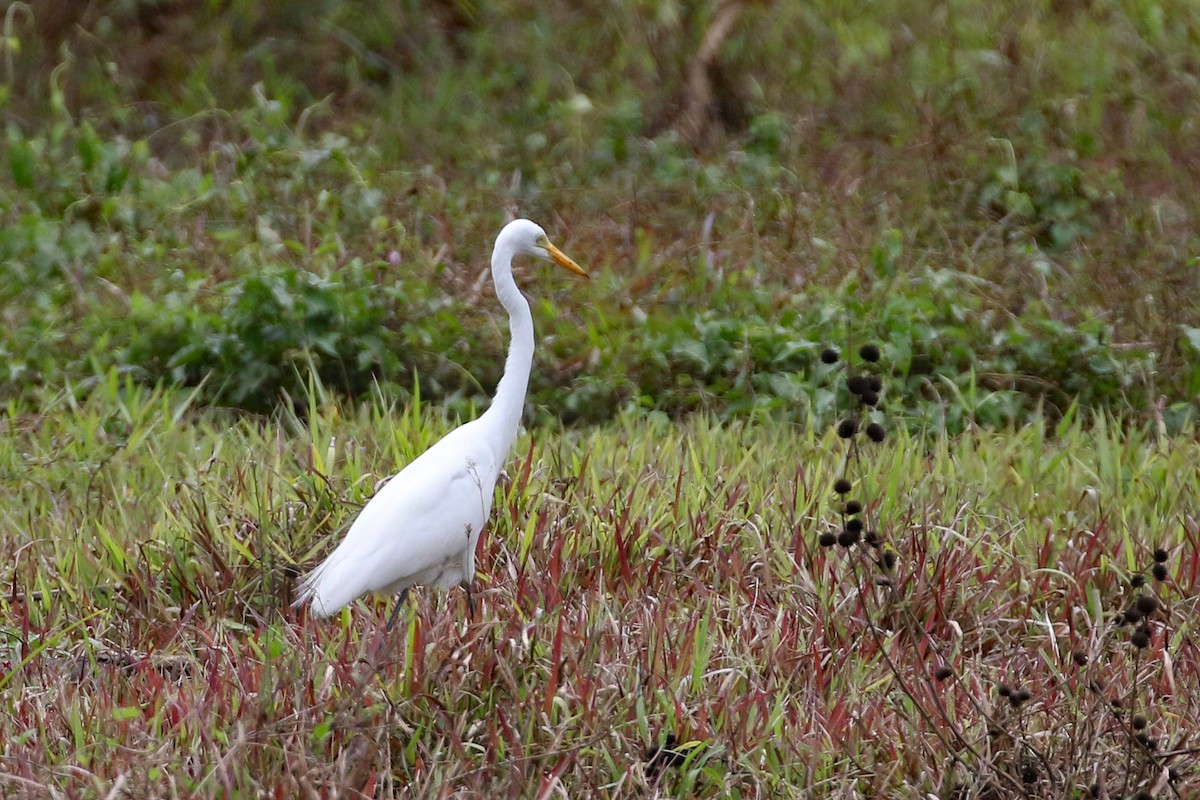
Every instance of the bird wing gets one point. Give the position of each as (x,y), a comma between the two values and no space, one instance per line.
(423,520)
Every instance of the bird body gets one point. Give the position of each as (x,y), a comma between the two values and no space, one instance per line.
(405,536)
(421,528)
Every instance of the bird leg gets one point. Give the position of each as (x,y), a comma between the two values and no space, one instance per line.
(396,611)
(470,600)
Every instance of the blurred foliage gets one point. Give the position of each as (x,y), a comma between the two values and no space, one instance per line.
(234,194)
(266,332)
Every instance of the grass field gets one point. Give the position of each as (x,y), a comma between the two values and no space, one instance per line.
(640,580)
(243,280)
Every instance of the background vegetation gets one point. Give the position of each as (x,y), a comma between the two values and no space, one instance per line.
(243,250)
(1005,195)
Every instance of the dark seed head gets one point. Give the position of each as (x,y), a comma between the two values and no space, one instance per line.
(830,355)
(883,580)
(842,486)
(870,398)
(875,383)
(1160,555)
(1160,572)
(888,561)
(1080,658)
(847,428)
(1143,739)
(1140,638)
(943,673)
(1132,614)
(1029,774)
(872,538)
(857,384)
(875,432)
(827,539)
(1173,775)
(1094,790)
(1137,581)
(1147,604)
(869,352)
(853,507)
(1020,697)
(1005,690)
(1139,722)
(854,525)
(848,538)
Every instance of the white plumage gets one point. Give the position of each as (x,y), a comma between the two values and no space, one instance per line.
(422,526)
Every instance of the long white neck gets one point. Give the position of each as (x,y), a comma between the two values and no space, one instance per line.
(503,417)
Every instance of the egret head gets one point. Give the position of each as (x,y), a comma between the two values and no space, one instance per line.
(523,237)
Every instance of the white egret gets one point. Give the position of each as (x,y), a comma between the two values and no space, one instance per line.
(422,526)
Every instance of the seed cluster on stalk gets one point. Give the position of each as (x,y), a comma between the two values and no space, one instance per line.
(1139,625)
(1144,611)
(1145,606)
(864,388)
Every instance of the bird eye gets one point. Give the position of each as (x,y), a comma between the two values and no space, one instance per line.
(542,240)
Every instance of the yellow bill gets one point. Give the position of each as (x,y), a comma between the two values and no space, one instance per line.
(564,261)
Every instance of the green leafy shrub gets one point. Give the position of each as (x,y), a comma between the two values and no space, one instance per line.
(263,334)
(1048,200)
(957,362)
(251,334)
